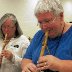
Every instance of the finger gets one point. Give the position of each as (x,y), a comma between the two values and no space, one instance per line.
(3,50)
(27,69)
(23,71)
(0,57)
(41,64)
(33,68)
(6,51)
(2,54)
(42,59)
(7,56)
(43,68)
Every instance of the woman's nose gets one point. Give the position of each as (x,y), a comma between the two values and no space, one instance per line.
(6,30)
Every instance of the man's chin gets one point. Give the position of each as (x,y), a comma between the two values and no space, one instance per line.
(52,36)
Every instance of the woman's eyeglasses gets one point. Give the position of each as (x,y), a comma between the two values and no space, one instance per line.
(8,27)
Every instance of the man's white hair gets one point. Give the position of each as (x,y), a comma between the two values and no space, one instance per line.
(49,5)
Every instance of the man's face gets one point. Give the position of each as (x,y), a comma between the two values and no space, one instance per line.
(54,24)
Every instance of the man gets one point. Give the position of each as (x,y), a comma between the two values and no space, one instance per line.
(58,52)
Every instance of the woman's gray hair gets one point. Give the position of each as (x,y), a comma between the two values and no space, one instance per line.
(6,16)
(49,6)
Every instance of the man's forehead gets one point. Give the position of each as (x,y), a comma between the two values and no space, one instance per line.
(45,15)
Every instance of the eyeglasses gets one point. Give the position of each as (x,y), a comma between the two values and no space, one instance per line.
(8,27)
(46,21)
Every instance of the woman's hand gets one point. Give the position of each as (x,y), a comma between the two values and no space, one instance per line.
(30,67)
(48,62)
(7,54)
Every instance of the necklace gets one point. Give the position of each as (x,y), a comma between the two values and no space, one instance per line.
(57,42)
(55,49)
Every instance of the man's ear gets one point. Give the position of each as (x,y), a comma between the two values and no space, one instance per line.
(62,16)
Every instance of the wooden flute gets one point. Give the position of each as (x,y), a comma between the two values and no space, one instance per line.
(44,43)
(5,42)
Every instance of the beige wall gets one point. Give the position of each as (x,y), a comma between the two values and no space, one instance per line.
(24,11)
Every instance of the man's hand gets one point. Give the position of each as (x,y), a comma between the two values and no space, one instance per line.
(30,67)
(48,62)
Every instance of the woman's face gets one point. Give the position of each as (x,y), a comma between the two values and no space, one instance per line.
(9,28)
(54,24)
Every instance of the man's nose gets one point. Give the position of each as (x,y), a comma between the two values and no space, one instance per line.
(44,26)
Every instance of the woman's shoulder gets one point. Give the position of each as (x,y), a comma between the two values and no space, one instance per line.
(23,38)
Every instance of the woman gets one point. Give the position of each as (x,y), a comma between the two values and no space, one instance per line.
(13,44)
(58,46)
